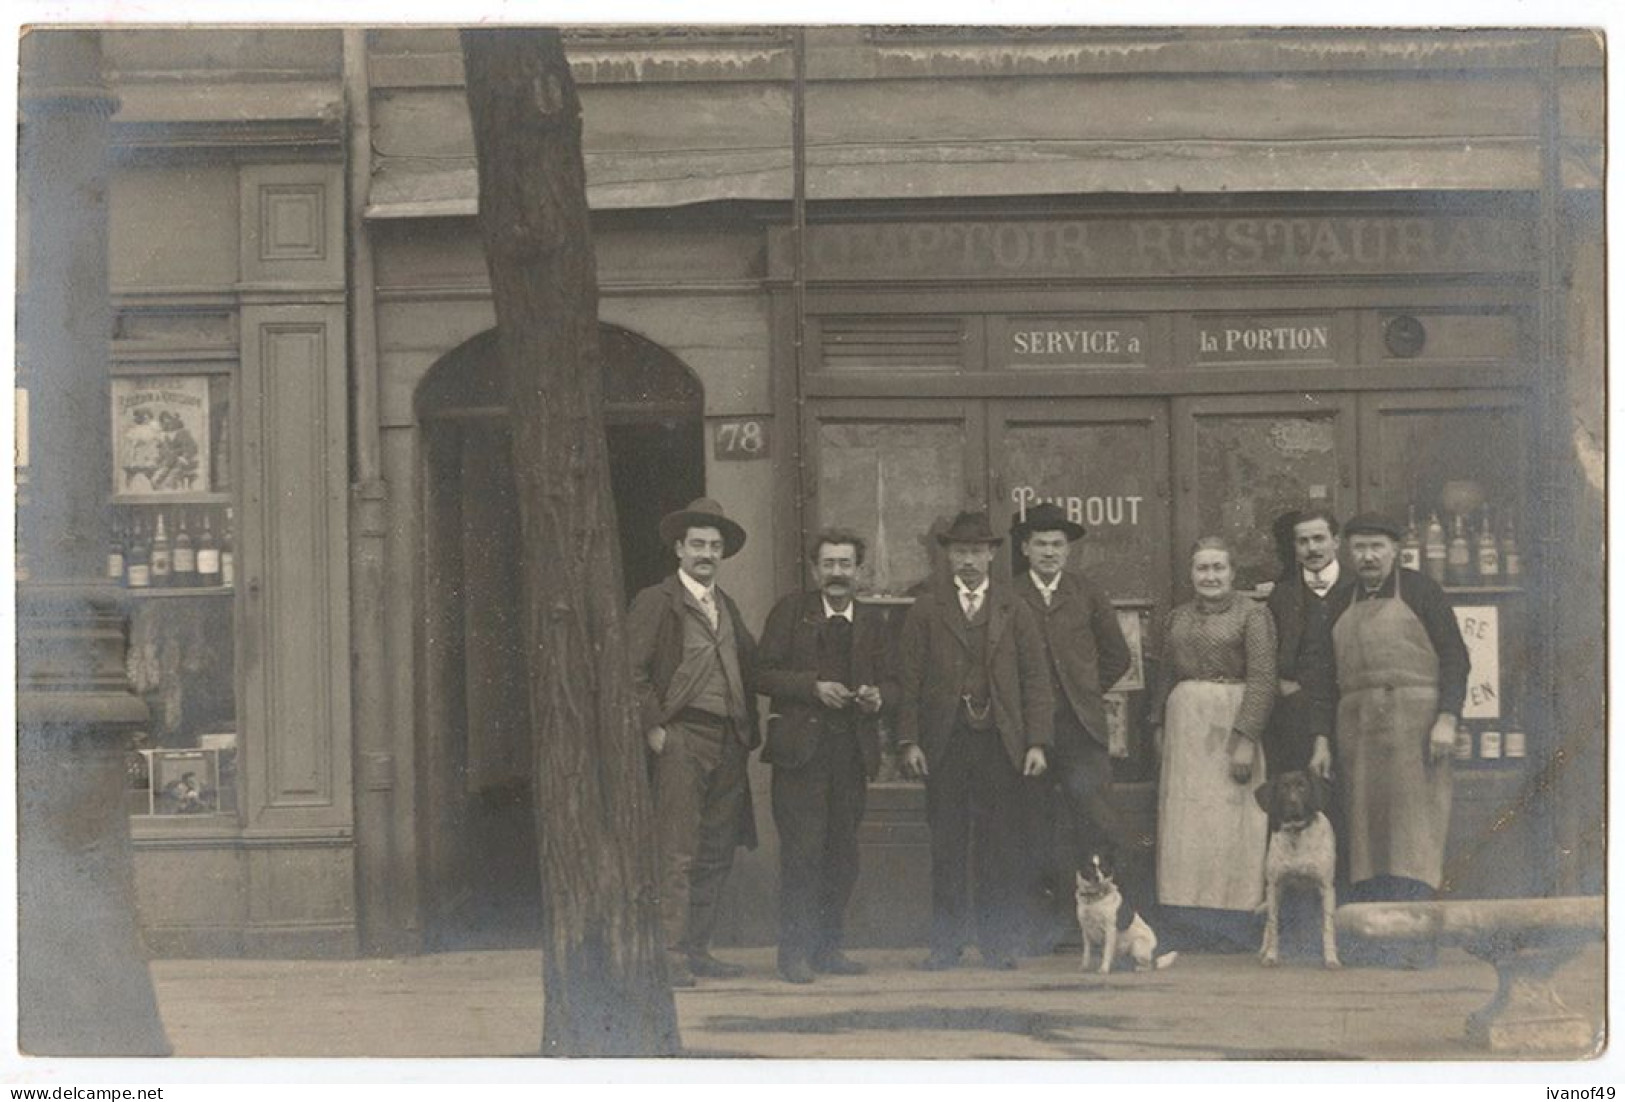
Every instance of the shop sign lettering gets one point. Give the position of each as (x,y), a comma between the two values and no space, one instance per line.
(1152,246)
(1296,340)
(1046,341)
(1096,511)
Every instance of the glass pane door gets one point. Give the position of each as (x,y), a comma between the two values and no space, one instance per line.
(1242,460)
(892,470)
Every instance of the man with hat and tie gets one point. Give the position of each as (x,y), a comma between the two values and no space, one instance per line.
(1087,654)
(975,717)
(826,662)
(1401,679)
(693,668)
(1305,603)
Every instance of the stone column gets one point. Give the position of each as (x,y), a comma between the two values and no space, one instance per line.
(84,985)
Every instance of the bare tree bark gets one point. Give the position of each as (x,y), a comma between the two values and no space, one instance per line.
(603,970)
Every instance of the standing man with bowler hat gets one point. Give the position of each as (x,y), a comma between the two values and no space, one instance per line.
(1401,678)
(1087,654)
(975,717)
(693,667)
(825,660)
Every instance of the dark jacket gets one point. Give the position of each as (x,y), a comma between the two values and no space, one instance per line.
(934,650)
(654,642)
(1086,645)
(787,669)
(1317,712)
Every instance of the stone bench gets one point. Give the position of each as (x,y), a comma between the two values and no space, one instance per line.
(1527,940)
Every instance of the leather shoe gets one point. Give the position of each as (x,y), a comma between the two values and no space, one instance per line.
(939,962)
(796,971)
(837,963)
(677,973)
(704,964)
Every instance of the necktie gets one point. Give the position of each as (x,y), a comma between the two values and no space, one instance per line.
(709,604)
(1319,584)
(973,601)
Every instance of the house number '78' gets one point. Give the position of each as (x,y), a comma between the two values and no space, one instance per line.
(743,439)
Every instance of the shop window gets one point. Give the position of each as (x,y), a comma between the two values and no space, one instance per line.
(172,549)
(896,481)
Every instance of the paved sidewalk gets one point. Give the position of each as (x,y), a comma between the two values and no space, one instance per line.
(1203,1008)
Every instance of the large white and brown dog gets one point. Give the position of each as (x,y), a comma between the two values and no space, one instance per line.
(1302,849)
(1100,907)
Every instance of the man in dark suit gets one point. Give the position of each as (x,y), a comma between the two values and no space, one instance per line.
(693,668)
(1087,655)
(1305,603)
(826,664)
(974,717)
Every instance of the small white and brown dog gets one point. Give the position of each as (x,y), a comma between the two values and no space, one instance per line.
(1302,849)
(1100,907)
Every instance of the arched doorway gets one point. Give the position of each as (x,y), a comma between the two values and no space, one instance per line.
(477,824)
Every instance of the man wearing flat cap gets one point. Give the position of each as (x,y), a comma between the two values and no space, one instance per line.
(1401,678)
(1087,654)
(975,717)
(693,668)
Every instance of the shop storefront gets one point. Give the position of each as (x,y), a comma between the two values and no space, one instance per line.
(309,506)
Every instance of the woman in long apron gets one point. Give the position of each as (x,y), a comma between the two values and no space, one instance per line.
(1218,683)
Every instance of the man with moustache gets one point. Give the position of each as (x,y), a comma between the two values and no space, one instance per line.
(1401,678)
(826,664)
(1087,654)
(693,668)
(1304,603)
(975,717)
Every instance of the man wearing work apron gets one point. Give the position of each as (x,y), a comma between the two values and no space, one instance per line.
(1401,676)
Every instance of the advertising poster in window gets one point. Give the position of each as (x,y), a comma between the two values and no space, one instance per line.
(160,436)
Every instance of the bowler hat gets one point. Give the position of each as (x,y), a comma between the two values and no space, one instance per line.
(969,527)
(703,512)
(1373,524)
(1046,516)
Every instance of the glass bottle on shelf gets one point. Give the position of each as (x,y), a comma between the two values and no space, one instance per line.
(1433,549)
(1489,745)
(1489,552)
(1458,565)
(162,564)
(1511,561)
(185,554)
(137,566)
(1516,745)
(1464,742)
(208,556)
(228,558)
(115,555)
(1410,548)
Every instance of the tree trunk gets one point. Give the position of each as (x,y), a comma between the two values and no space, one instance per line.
(603,968)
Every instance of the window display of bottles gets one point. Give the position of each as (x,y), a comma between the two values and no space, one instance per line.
(1463,549)
(186,547)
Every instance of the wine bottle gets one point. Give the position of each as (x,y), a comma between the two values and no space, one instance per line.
(208,556)
(137,564)
(1516,745)
(115,556)
(1434,549)
(1458,568)
(1410,548)
(163,566)
(228,560)
(185,554)
(1489,553)
(1464,742)
(1511,561)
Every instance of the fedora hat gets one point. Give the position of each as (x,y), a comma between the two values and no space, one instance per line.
(1046,516)
(969,527)
(703,512)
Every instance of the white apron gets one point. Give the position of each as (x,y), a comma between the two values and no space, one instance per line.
(1211,833)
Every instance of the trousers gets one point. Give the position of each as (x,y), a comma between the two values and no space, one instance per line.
(700,789)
